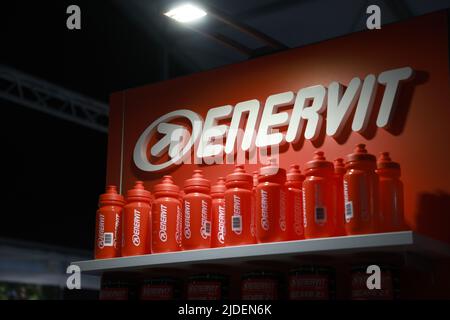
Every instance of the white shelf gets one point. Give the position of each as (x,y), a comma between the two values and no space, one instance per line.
(405,241)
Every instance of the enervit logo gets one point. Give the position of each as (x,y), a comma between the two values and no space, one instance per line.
(264,211)
(187,219)
(174,136)
(261,130)
(116,229)
(136,228)
(179,226)
(163,223)
(298,214)
(221,233)
(101,231)
(205,233)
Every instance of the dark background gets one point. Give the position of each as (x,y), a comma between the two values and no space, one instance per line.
(54,170)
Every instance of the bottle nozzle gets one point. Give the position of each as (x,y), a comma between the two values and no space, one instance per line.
(360,148)
(139,185)
(385,156)
(319,155)
(111,189)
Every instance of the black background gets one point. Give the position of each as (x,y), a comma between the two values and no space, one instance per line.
(54,170)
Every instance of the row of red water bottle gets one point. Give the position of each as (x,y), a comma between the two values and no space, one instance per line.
(358,196)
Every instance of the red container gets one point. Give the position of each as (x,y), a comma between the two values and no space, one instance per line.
(294,203)
(208,286)
(197,212)
(218,214)
(108,229)
(361,193)
(271,204)
(166,216)
(261,285)
(238,207)
(338,193)
(391,194)
(160,288)
(319,205)
(136,222)
(312,282)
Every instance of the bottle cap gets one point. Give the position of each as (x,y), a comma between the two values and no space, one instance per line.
(360,154)
(255,178)
(339,166)
(384,161)
(294,173)
(167,185)
(219,187)
(319,161)
(139,192)
(239,174)
(111,195)
(197,180)
(271,169)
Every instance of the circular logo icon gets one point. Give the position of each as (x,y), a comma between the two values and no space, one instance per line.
(172,134)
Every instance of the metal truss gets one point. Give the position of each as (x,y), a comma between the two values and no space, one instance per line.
(43,96)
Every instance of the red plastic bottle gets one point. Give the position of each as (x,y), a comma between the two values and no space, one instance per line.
(318,202)
(166,214)
(391,194)
(108,229)
(197,212)
(361,193)
(338,193)
(238,207)
(219,230)
(294,203)
(271,204)
(136,221)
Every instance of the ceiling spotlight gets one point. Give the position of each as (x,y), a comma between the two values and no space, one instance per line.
(186,13)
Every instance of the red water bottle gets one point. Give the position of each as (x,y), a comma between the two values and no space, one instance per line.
(271,204)
(238,207)
(197,212)
(136,221)
(218,214)
(166,214)
(338,193)
(391,194)
(318,204)
(294,203)
(108,229)
(361,193)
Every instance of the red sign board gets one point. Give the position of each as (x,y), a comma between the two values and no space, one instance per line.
(388,89)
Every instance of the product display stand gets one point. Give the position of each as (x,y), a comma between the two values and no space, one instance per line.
(400,242)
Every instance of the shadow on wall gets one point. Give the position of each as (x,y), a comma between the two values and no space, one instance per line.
(433,215)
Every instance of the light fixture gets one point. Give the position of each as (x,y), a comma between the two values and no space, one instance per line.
(186,13)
